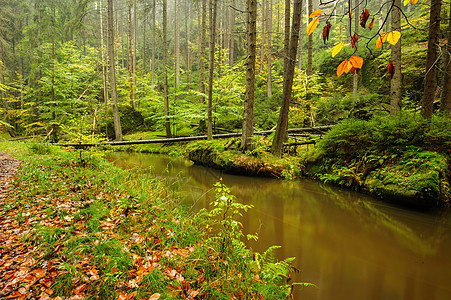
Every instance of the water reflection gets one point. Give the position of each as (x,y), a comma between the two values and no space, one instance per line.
(351,246)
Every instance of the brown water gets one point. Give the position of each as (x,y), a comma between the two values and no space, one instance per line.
(348,244)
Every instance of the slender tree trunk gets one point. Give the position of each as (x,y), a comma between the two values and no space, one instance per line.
(445,104)
(144,57)
(203,45)
(130,53)
(248,117)
(135,45)
(112,66)
(102,53)
(213,12)
(395,86)
(262,48)
(430,80)
(269,24)
(165,68)
(154,24)
(381,16)
(310,42)
(286,43)
(387,24)
(22,83)
(232,34)
(176,45)
(188,57)
(355,81)
(301,28)
(282,124)
(53,66)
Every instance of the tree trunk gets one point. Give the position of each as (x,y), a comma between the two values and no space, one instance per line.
(176,46)
(130,53)
(310,42)
(232,34)
(301,28)
(135,45)
(213,11)
(144,58)
(387,24)
(248,117)
(112,66)
(262,48)
(102,53)
(269,58)
(203,45)
(445,105)
(154,24)
(395,86)
(430,80)
(286,43)
(188,57)
(355,81)
(165,68)
(282,124)
(381,17)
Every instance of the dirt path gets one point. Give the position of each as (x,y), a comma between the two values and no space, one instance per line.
(8,167)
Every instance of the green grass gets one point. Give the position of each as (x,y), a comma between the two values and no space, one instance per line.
(106,231)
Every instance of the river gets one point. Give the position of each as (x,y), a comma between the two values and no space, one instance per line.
(350,245)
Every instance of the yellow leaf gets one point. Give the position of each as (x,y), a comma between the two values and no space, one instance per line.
(337,49)
(312,26)
(381,40)
(393,37)
(315,13)
(406,2)
(356,62)
(414,2)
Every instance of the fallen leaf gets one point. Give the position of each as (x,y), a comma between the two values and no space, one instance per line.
(155,296)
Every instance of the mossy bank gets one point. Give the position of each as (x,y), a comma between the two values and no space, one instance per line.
(403,159)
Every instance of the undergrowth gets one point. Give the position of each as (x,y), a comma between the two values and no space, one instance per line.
(101,232)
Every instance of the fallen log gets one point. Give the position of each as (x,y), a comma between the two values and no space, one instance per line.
(188,138)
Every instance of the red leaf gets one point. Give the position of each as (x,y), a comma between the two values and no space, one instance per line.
(326,31)
(354,39)
(391,69)
(371,24)
(364,17)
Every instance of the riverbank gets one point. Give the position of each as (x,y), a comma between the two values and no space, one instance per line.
(74,226)
(404,160)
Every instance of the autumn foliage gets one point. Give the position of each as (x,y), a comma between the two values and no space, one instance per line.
(347,66)
(74,227)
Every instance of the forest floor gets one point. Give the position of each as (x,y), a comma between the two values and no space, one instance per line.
(72,226)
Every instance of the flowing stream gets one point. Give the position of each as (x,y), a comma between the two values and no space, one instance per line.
(350,245)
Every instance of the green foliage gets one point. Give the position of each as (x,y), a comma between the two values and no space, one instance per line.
(391,157)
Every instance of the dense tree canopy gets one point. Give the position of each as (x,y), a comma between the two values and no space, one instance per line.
(54,78)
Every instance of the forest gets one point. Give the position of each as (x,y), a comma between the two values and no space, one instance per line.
(179,66)
(353,94)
